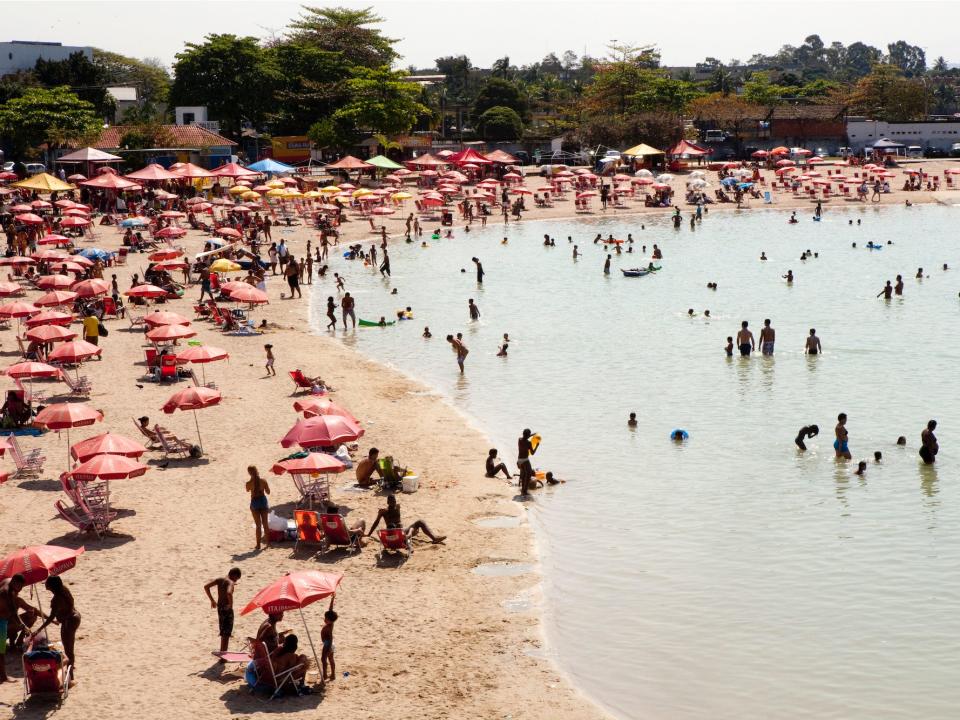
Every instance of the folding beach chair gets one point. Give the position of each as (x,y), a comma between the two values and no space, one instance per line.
(266,677)
(168,368)
(312,491)
(336,534)
(80,387)
(171,444)
(82,521)
(44,672)
(29,465)
(308,529)
(394,540)
(300,381)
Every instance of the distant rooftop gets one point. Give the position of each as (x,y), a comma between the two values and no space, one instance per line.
(35,42)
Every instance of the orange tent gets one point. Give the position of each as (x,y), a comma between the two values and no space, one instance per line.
(350,163)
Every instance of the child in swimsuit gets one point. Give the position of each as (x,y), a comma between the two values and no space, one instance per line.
(326,637)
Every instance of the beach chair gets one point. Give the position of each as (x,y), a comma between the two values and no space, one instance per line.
(29,465)
(394,540)
(80,387)
(168,368)
(196,381)
(336,534)
(121,257)
(44,672)
(153,442)
(308,529)
(82,521)
(171,444)
(311,491)
(110,307)
(266,677)
(136,322)
(300,381)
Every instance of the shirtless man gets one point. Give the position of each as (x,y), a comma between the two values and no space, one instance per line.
(929,447)
(887,291)
(812,346)
(767,337)
(898,288)
(460,349)
(840,444)
(224,604)
(391,518)
(473,310)
(745,340)
(10,602)
(524,451)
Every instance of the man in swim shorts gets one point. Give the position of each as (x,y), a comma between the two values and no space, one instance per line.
(840,445)
(745,340)
(767,337)
(524,451)
(929,447)
(813,343)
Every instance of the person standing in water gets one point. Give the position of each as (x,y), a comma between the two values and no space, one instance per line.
(606,265)
(887,291)
(460,349)
(331,307)
(898,288)
(767,338)
(806,432)
(812,346)
(745,340)
(385,265)
(480,273)
(576,252)
(840,444)
(474,310)
(929,447)
(524,451)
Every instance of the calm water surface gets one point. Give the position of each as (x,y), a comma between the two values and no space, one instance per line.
(730,577)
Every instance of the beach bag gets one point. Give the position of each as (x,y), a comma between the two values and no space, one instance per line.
(101,328)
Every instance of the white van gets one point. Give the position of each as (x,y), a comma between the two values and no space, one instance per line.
(35,168)
(914,151)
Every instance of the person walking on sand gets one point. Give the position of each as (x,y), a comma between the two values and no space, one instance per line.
(745,341)
(331,308)
(346,308)
(929,447)
(840,444)
(63,611)
(205,283)
(292,271)
(326,639)
(812,346)
(224,604)
(259,504)
(473,309)
(271,372)
(460,349)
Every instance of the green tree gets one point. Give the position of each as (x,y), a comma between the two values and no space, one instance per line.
(345,31)
(149,76)
(500,123)
(731,113)
(85,79)
(885,94)
(497,92)
(758,90)
(860,60)
(43,115)
(940,65)
(381,101)
(233,76)
(311,85)
(329,134)
(911,59)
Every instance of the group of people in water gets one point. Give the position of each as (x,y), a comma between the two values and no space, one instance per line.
(929,445)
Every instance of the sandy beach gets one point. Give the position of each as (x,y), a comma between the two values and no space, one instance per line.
(429,638)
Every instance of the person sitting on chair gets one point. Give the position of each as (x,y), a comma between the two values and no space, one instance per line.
(267,633)
(391,517)
(285,657)
(15,412)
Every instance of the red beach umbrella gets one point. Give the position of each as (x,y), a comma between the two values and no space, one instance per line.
(146,291)
(50,317)
(28,219)
(91,288)
(38,562)
(30,369)
(195,398)
(171,332)
(249,294)
(228,232)
(18,309)
(170,232)
(50,334)
(202,354)
(74,351)
(164,317)
(312,406)
(56,298)
(106,444)
(74,222)
(312,464)
(294,591)
(108,467)
(54,239)
(322,431)
(56,282)
(8,288)
(164,254)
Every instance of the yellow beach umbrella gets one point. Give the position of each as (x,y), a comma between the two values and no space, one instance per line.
(341,200)
(238,190)
(251,195)
(361,192)
(275,184)
(45,183)
(312,194)
(401,196)
(330,190)
(225,266)
(276,192)
(293,194)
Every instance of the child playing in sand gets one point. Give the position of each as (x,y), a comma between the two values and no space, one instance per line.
(326,637)
(270,359)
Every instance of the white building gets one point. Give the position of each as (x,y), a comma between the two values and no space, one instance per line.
(941,134)
(23,54)
(125,98)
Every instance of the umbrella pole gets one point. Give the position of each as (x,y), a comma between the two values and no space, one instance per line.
(203,371)
(197,423)
(310,639)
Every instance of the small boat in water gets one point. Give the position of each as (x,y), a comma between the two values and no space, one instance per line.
(635,272)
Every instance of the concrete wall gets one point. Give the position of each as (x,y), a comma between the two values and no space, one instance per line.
(16,55)
(940,135)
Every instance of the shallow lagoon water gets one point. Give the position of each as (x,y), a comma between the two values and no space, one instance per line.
(729,576)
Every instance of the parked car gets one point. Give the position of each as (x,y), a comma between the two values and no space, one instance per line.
(914,151)
(955,150)
(714,136)
(932,152)
(8,167)
(35,168)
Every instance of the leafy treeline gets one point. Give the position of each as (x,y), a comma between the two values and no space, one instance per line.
(331,73)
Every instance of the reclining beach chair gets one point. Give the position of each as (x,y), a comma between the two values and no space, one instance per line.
(300,381)
(196,381)
(308,529)
(394,540)
(312,491)
(168,369)
(44,672)
(153,442)
(171,444)
(266,677)
(336,534)
(80,387)
(29,465)
(83,522)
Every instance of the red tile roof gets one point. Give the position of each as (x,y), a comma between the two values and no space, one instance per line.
(182,136)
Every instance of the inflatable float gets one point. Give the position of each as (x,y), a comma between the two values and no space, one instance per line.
(374,323)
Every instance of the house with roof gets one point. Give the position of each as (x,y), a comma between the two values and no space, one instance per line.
(808,126)
(170,144)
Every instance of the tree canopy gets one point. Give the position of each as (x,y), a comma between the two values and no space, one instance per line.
(345,31)
(500,123)
(40,115)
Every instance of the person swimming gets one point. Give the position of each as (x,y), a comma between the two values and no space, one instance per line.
(632,420)
(806,432)
(427,333)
